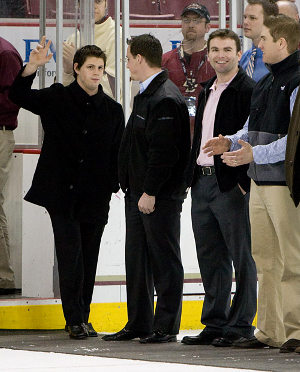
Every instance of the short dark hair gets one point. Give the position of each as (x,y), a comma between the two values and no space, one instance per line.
(147,46)
(225,34)
(269,6)
(87,51)
(285,27)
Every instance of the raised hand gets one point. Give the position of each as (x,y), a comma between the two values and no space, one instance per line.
(217,145)
(239,157)
(38,57)
(68,55)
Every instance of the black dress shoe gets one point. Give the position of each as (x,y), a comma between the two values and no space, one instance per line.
(158,337)
(249,343)
(290,346)
(227,340)
(78,332)
(123,335)
(204,338)
(90,330)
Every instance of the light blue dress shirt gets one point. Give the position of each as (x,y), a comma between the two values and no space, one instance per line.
(144,85)
(264,154)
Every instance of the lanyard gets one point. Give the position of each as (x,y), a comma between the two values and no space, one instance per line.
(190,80)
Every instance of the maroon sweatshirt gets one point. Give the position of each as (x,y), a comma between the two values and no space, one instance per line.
(10,64)
(198,70)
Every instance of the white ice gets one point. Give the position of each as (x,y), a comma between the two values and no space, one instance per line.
(33,361)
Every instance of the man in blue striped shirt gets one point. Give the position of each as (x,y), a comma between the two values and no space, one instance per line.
(252,60)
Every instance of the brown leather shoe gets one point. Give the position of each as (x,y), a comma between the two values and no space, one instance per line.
(297,350)
(290,346)
(249,343)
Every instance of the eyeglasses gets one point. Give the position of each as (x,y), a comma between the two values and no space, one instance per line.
(126,59)
(196,21)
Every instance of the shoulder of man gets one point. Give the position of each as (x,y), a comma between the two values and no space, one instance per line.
(168,56)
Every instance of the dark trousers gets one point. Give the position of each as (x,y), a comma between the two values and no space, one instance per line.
(152,257)
(222,234)
(77,248)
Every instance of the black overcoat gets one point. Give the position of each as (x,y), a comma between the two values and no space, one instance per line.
(77,168)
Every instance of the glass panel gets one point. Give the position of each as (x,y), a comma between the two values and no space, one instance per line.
(19,24)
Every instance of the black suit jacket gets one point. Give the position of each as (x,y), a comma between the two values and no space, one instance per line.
(156,142)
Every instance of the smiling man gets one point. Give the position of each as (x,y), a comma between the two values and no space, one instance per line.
(76,172)
(219,205)
(255,12)
(275,220)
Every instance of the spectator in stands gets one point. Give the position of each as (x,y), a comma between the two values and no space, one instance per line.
(252,59)
(153,155)
(10,64)
(76,172)
(12,9)
(219,208)
(288,8)
(188,65)
(274,218)
(104,39)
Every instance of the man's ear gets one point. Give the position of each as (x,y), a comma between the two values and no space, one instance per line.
(76,69)
(139,58)
(282,43)
(239,54)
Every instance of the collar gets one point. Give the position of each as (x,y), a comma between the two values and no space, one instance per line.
(233,83)
(103,26)
(214,86)
(102,20)
(156,82)
(181,52)
(82,98)
(144,85)
(289,62)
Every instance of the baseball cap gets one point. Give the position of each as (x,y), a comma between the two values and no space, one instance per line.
(197,8)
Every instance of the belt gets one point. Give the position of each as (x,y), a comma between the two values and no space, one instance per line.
(207,171)
(3,127)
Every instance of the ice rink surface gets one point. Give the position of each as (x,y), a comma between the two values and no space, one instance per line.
(20,360)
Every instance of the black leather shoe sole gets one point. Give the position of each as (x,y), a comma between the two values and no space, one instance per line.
(77,336)
(154,339)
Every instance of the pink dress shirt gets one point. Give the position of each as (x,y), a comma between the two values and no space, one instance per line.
(208,120)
